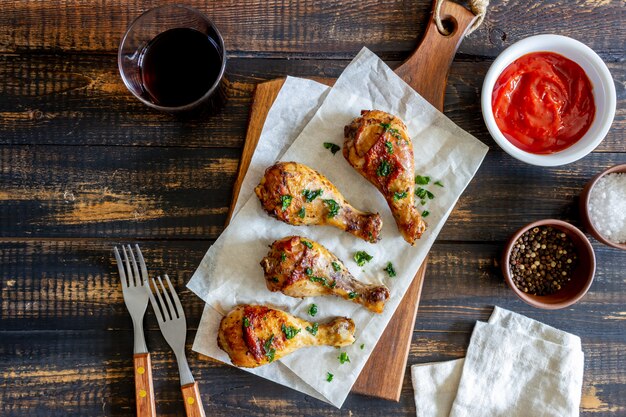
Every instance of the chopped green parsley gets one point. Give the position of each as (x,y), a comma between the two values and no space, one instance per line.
(285,201)
(307,244)
(329,376)
(353,295)
(362,257)
(396,134)
(313,329)
(399,196)
(422,180)
(246,322)
(384,169)
(331,147)
(425,213)
(289,331)
(343,358)
(336,267)
(318,279)
(439,183)
(313,310)
(269,350)
(333,208)
(389,146)
(390,270)
(424,193)
(322,280)
(310,195)
(283,256)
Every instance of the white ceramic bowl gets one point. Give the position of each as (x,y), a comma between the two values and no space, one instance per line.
(603,94)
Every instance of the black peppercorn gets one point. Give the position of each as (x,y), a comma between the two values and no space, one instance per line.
(542,260)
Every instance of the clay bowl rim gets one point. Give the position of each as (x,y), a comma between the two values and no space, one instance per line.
(584,206)
(533,300)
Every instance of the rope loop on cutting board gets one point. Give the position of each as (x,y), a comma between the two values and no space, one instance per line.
(478,7)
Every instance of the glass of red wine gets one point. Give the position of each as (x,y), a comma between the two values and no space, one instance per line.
(172,58)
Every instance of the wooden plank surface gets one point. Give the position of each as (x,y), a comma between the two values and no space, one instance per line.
(84,166)
(81,100)
(68,284)
(76,348)
(169,193)
(334,28)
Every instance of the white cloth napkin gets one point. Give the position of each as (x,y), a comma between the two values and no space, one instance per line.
(515,367)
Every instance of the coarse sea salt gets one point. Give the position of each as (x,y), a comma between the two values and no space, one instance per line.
(607,207)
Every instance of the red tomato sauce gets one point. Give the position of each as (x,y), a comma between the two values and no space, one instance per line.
(543,102)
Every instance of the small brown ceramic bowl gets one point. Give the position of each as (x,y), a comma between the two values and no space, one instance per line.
(582,276)
(584,207)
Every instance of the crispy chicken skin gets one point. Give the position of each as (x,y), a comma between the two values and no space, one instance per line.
(255,335)
(378,146)
(299,195)
(300,267)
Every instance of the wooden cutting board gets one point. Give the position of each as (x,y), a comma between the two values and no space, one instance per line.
(426,70)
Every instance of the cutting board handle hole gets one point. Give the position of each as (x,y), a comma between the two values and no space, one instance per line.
(450,25)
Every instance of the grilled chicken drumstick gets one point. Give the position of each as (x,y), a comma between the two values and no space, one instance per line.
(378,146)
(299,195)
(300,267)
(254,335)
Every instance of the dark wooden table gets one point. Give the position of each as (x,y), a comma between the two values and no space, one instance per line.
(85,166)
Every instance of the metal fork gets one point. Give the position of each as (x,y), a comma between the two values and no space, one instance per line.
(136,300)
(173,325)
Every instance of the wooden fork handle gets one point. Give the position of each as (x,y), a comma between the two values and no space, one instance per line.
(193,402)
(144,389)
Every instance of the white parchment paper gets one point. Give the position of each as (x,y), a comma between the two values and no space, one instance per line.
(230,273)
